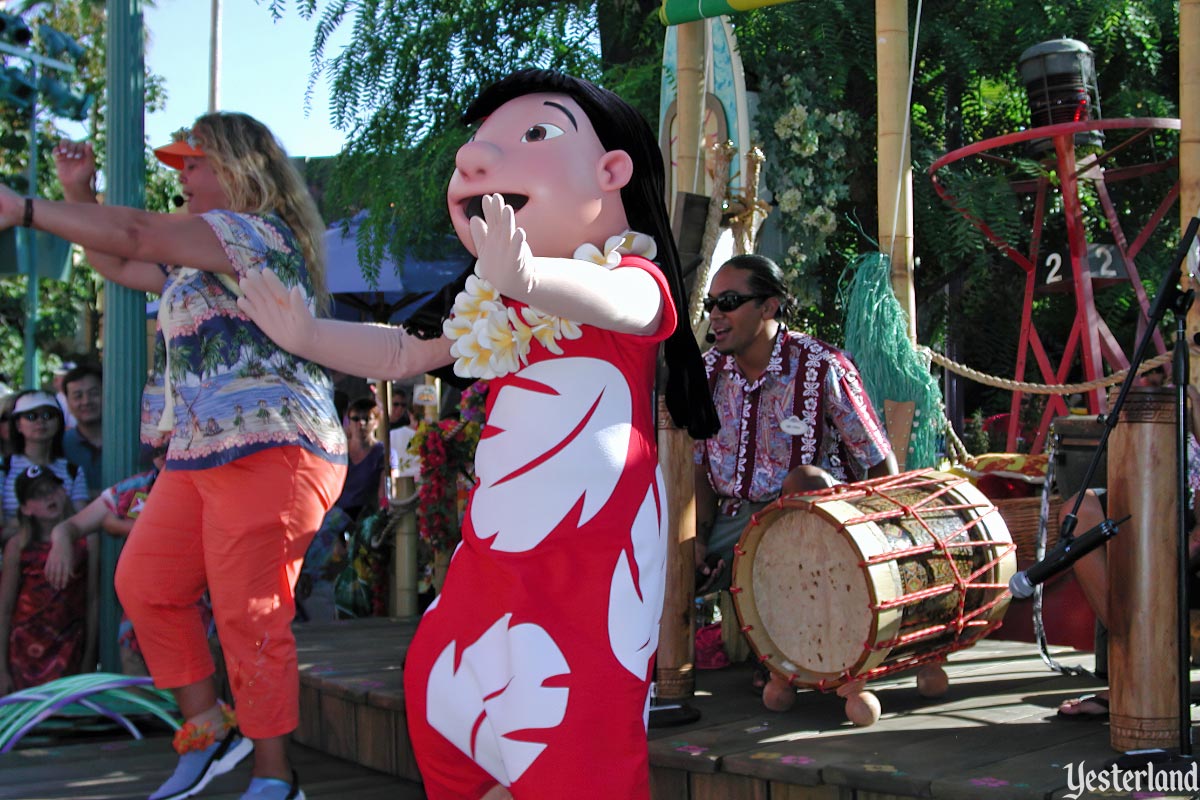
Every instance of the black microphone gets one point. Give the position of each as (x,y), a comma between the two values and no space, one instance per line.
(711,337)
(178,201)
(1064,554)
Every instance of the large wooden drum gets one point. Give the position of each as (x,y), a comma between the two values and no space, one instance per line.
(863,579)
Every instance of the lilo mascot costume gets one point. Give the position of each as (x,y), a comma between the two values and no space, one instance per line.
(530,673)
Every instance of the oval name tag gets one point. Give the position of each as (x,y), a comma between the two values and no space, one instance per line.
(793,426)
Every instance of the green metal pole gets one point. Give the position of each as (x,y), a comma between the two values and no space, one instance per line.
(124,310)
(28,249)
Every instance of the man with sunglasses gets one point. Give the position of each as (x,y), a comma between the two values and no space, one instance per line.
(794,414)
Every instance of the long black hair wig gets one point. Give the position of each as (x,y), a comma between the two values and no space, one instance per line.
(620,127)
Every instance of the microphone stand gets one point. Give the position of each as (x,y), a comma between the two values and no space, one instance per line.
(1169,297)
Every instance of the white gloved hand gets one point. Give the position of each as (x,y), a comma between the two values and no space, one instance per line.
(503,258)
(282,314)
(625,300)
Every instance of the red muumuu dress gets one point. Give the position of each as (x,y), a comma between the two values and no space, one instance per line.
(48,630)
(532,668)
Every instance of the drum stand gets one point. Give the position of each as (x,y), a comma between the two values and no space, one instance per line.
(1039,627)
(1169,297)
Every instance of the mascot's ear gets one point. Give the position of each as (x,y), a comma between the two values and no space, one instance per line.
(614,170)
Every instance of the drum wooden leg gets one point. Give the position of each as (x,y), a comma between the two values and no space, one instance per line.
(862,707)
(932,681)
(778,694)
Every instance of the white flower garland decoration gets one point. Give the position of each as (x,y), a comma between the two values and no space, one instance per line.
(491,339)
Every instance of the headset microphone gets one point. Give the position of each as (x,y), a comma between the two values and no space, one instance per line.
(178,201)
(710,337)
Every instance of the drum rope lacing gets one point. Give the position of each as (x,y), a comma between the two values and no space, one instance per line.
(966,622)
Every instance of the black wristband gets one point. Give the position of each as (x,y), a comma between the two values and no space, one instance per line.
(27,220)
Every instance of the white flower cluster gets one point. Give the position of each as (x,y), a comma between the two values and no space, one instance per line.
(822,219)
(791,124)
(491,339)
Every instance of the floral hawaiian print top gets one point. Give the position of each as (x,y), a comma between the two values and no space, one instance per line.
(233,391)
(766,429)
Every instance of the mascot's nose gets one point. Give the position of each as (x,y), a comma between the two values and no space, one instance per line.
(477,158)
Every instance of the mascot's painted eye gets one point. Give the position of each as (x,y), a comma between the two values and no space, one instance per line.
(542,132)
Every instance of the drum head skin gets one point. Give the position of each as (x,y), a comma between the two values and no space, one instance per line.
(811,594)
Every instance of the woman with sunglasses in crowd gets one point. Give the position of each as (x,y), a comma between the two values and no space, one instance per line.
(256,454)
(364,472)
(35,431)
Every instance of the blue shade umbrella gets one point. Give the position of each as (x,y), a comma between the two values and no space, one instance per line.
(399,291)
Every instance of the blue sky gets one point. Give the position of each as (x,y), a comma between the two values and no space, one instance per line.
(264,71)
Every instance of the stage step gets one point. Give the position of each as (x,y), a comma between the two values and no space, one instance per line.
(352,692)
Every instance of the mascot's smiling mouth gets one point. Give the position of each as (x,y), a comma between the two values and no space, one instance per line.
(474,205)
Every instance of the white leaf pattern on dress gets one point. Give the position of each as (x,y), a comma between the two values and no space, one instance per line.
(497,690)
(635,604)
(559,434)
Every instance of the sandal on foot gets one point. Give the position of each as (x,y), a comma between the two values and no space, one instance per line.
(1079,709)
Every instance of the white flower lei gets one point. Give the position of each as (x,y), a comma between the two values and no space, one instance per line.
(491,340)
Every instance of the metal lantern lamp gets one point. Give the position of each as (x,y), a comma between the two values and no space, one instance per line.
(1060,82)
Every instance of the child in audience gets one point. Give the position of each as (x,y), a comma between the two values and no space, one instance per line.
(113,512)
(46,632)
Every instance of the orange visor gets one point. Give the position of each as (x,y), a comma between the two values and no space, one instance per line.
(173,154)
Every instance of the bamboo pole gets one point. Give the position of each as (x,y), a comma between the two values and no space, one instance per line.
(673,671)
(895,162)
(689,109)
(1143,660)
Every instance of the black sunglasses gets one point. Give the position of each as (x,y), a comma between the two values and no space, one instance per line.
(34,416)
(730,301)
(359,419)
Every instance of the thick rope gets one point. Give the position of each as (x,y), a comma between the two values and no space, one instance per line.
(722,153)
(1038,388)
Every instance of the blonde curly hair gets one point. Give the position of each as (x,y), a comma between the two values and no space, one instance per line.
(258,178)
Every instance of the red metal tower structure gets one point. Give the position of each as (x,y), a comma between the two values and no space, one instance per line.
(1080,158)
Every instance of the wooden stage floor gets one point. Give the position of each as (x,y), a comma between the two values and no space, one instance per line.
(993,736)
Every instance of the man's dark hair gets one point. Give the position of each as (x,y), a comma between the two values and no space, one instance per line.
(79,373)
(365,403)
(766,279)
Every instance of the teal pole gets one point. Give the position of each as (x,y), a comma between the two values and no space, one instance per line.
(28,249)
(124,309)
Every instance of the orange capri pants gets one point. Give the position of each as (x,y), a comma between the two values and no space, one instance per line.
(240,530)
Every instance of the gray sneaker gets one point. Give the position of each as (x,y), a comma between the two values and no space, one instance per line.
(274,789)
(198,767)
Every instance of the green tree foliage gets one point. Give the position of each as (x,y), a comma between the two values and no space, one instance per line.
(69,315)
(966,89)
(413,66)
